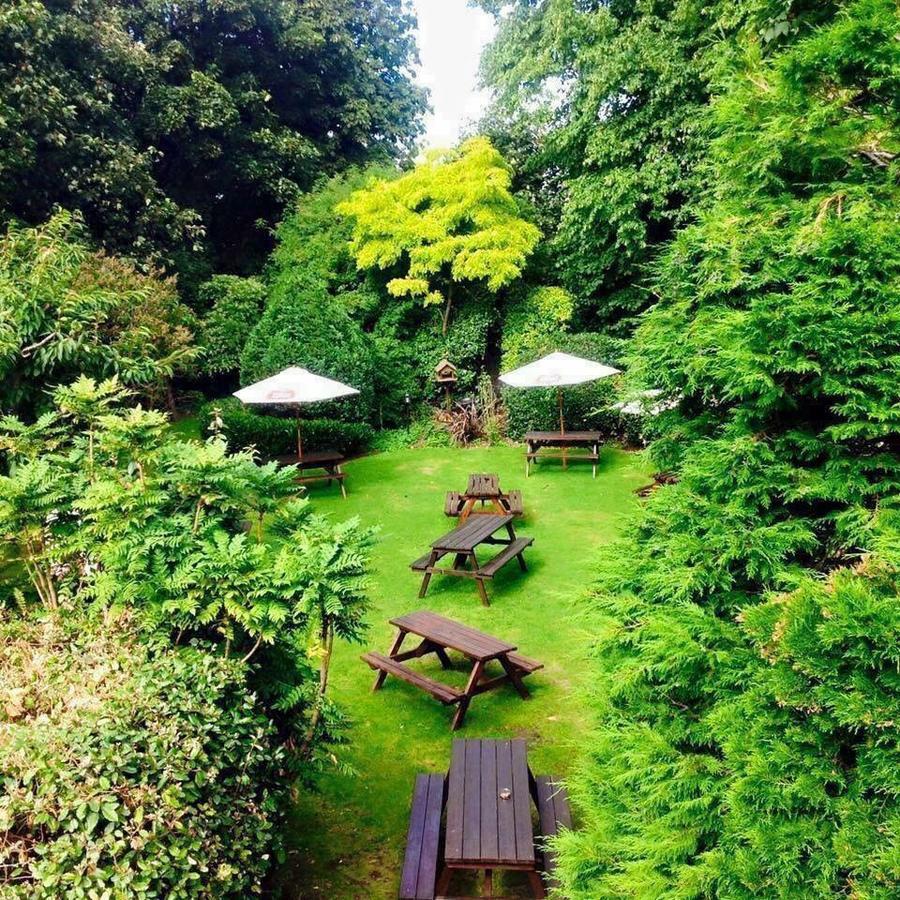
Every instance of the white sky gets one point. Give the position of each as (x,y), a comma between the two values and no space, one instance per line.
(451,37)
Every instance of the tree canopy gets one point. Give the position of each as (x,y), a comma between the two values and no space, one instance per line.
(451,219)
(66,309)
(604,106)
(180,131)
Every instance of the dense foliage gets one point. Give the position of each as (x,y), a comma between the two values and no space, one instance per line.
(308,328)
(602,107)
(104,509)
(276,435)
(180,131)
(749,629)
(129,769)
(65,310)
(234,306)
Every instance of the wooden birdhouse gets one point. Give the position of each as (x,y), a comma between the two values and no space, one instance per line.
(445,372)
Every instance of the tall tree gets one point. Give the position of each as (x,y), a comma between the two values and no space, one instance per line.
(450,220)
(749,629)
(605,103)
(180,130)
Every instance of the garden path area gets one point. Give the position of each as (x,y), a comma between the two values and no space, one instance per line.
(350,837)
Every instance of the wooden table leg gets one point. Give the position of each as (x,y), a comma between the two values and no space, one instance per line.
(395,649)
(463,705)
(466,510)
(537,884)
(488,888)
(482,591)
(432,559)
(340,472)
(441,654)
(514,677)
(443,882)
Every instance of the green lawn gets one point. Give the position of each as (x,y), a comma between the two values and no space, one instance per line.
(348,840)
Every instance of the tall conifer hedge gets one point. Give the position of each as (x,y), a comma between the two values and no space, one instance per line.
(748,645)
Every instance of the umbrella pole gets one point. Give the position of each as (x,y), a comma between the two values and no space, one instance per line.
(562,425)
(299,439)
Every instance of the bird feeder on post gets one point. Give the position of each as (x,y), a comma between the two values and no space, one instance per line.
(445,374)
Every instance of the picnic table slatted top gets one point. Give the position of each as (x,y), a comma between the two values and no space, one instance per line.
(453,635)
(485,828)
(573,436)
(471,533)
(311,460)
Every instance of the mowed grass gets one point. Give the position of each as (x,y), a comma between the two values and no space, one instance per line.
(347,841)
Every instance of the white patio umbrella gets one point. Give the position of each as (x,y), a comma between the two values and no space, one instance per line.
(557,370)
(294,387)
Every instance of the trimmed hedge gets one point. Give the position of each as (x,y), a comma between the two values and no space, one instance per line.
(309,328)
(276,435)
(130,771)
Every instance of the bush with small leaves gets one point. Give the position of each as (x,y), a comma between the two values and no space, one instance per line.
(131,768)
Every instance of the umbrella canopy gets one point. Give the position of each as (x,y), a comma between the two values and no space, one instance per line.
(646,402)
(294,387)
(557,370)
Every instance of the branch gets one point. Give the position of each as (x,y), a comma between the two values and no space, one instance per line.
(27,351)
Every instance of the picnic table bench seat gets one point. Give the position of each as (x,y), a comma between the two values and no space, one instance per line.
(523,663)
(440,691)
(514,501)
(514,548)
(453,503)
(422,858)
(554,813)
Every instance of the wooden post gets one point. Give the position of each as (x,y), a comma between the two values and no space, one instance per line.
(562,424)
(299,439)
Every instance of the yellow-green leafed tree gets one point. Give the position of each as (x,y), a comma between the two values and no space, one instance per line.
(451,220)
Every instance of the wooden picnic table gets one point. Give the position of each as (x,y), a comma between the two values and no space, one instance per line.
(483,489)
(537,441)
(329,461)
(487,798)
(463,541)
(439,635)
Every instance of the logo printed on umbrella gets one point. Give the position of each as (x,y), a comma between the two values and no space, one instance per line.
(282,394)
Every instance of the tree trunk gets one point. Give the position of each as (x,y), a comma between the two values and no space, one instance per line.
(445,318)
(327,635)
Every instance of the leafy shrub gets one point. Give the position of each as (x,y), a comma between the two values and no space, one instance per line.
(146,520)
(65,309)
(422,432)
(307,327)
(234,305)
(274,435)
(535,322)
(130,771)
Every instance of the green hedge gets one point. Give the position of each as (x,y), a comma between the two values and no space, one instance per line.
(129,771)
(305,326)
(275,435)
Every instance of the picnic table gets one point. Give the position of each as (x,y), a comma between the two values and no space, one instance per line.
(329,461)
(485,802)
(483,489)
(559,443)
(462,543)
(439,635)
